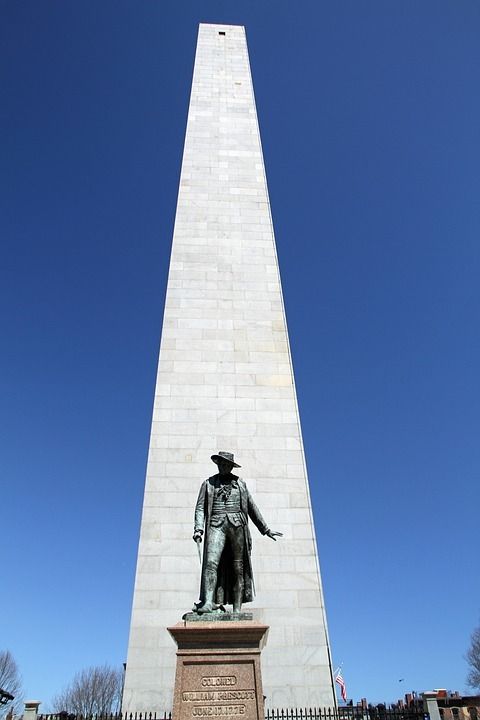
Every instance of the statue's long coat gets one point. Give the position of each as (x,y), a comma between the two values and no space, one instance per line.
(225,577)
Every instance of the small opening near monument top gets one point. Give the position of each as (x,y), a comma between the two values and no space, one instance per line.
(221,32)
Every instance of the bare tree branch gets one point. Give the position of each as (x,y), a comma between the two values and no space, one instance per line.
(94,690)
(473,659)
(10,681)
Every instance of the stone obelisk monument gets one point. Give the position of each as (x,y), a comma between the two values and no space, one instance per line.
(225,382)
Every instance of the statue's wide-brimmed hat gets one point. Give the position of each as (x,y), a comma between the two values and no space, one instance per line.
(225,456)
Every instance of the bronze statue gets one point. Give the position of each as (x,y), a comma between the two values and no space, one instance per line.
(223,507)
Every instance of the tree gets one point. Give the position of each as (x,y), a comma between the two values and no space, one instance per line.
(10,681)
(473,659)
(93,691)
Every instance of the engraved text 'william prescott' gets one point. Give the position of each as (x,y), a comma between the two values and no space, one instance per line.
(217,695)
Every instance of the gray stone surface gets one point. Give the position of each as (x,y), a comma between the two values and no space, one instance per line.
(225,381)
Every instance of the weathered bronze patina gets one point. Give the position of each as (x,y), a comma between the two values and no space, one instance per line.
(221,515)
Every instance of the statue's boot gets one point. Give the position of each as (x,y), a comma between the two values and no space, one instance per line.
(238,587)
(206,608)
(210,585)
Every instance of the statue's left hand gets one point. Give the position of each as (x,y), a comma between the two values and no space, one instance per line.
(272,534)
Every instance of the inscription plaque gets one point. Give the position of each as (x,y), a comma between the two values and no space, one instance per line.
(218,670)
(228,690)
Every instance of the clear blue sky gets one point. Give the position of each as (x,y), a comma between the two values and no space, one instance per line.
(370,118)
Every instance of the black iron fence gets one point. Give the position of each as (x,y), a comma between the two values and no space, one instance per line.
(349,712)
(345,712)
(110,716)
(383,712)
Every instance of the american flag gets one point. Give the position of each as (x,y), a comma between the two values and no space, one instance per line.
(343,688)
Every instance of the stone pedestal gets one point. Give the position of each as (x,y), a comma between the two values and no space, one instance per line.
(218,671)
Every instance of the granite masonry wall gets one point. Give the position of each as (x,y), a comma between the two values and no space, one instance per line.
(225,382)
